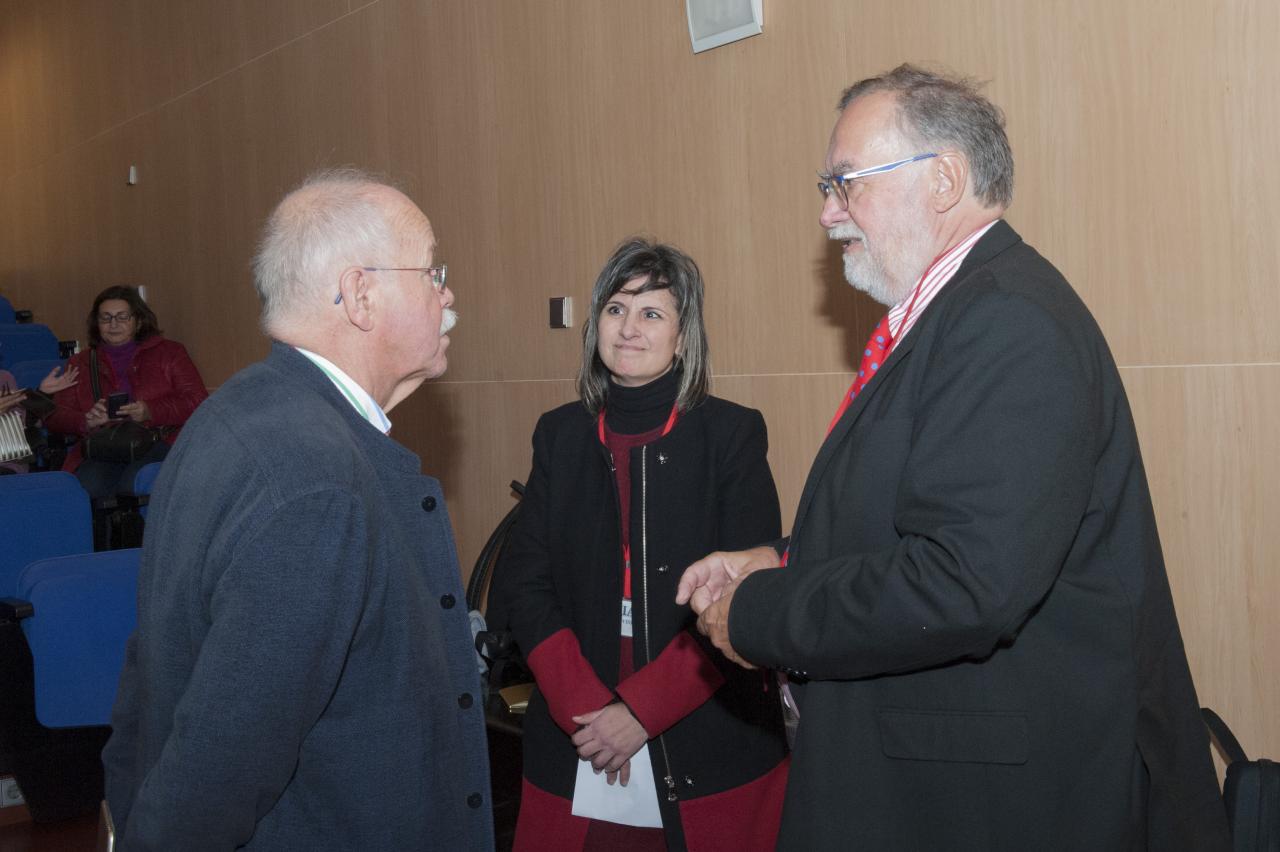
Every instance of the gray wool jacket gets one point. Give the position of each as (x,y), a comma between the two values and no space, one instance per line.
(302,675)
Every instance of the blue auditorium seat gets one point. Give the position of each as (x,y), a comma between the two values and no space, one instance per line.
(28,374)
(6,310)
(62,643)
(143,482)
(84,608)
(31,342)
(41,515)
(145,479)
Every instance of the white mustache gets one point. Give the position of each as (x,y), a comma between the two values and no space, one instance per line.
(846,231)
(448,319)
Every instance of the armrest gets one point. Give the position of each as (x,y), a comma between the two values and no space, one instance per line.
(106,829)
(120,501)
(15,609)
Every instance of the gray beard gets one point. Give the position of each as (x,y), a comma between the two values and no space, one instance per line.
(867,270)
(869,277)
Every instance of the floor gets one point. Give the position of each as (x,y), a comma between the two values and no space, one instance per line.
(74,835)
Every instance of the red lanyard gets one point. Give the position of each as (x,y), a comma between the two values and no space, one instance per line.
(671,421)
(626,550)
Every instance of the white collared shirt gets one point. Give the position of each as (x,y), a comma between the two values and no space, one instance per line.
(903,315)
(356,395)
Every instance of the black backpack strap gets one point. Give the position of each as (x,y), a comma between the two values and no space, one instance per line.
(1226,740)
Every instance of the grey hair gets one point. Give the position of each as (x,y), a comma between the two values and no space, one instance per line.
(941,110)
(334,218)
(663,267)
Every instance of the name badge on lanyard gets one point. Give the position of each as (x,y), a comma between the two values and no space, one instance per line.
(626,592)
(626,617)
(626,551)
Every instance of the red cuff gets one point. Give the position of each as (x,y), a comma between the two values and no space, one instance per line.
(672,686)
(566,680)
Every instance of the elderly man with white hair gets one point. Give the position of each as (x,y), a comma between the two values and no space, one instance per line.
(302,674)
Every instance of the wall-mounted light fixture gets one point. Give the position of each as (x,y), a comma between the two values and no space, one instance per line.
(716,22)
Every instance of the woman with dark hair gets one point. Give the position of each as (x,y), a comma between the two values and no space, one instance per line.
(643,475)
(162,385)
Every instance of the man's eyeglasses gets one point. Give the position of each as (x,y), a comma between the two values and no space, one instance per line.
(839,184)
(435,274)
(111,319)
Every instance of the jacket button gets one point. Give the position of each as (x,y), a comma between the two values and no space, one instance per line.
(428,504)
(474,800)
(464,701)
(447,601)
(662,569)
(688,780)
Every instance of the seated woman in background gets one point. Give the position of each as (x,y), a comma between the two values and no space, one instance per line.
(642,476)
(163,387)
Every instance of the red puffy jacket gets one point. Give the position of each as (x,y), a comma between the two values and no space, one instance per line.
(162,375)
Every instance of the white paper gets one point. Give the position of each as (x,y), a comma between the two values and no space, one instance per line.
(635,804)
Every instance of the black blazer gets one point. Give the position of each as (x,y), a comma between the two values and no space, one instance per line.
(977,597)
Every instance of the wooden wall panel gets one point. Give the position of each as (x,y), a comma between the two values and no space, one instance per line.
(537,135)
(211,165)
(72,69)
(476,438)
(797,410)
(1208,442)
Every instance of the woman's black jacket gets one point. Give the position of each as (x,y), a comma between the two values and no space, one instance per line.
(705,486)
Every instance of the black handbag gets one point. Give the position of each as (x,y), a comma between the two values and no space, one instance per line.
(124,442)
(1251,792)
(120,442)
(38,403)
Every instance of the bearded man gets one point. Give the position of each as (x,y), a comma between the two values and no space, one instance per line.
(974,612)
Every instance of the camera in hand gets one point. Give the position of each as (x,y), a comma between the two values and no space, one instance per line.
(114,401)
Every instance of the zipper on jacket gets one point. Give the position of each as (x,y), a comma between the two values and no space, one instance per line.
(669,778)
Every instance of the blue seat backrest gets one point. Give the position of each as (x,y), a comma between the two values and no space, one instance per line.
(20,343)
(41,515)
(6,310)
(145,479)
(85,608)
(29,373)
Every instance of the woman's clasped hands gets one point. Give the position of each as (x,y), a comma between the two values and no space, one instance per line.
(608,738)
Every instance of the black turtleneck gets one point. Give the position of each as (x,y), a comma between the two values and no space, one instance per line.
(632,411)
